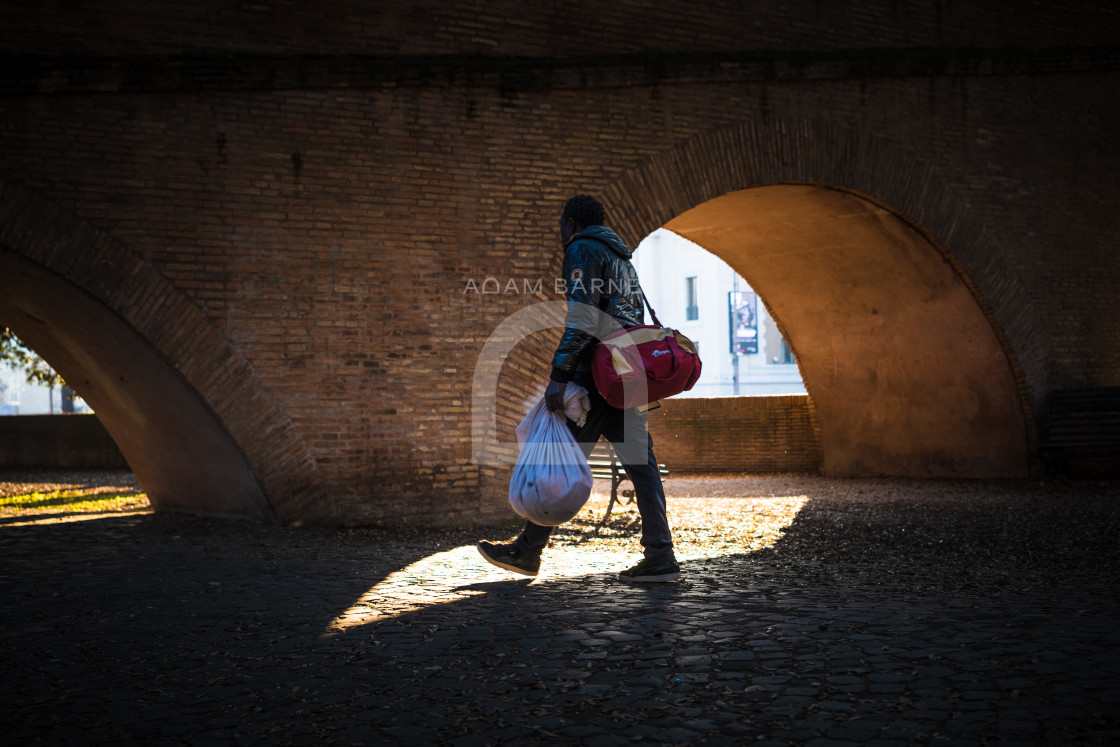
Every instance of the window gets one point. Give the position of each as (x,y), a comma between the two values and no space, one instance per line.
(787,354)
(692,310)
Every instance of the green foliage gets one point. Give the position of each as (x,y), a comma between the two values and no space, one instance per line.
(19,356)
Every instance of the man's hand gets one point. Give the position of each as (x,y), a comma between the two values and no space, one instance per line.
(554,396)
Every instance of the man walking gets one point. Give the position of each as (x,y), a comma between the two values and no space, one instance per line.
(600,284)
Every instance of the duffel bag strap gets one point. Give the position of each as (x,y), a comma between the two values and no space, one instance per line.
(652,313)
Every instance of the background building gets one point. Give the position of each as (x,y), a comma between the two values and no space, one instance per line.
(18,397)
(699,294)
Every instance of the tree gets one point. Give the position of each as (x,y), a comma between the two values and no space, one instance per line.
(19,356)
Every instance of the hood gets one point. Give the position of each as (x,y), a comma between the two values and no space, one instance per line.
(608,237)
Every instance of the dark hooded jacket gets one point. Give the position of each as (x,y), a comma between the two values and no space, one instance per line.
(603,295)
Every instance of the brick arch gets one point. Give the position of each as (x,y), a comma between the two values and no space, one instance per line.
(185,407)
(703,188)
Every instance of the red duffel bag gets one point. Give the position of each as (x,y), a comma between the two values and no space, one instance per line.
(639,365)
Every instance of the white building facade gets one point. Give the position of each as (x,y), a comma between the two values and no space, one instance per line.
(699,294)
(18,397)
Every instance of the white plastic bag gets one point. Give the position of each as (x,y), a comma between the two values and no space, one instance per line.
(551,480)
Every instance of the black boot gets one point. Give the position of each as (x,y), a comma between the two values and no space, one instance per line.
(652,572)
(511,557)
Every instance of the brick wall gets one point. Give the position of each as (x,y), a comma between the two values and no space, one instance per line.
(317,187)
(67,441)
(516,28)
(761,435)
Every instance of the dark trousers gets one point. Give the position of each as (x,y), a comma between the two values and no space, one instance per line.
(626,430)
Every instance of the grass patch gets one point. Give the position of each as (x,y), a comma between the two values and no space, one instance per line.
(81,500)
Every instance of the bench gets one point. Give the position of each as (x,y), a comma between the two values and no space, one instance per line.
(606,465)
(1082,429)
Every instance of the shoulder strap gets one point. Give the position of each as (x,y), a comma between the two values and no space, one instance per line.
(652,313)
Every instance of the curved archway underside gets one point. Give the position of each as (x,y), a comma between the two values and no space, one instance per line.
(183,457)
(186,409)
(905,370)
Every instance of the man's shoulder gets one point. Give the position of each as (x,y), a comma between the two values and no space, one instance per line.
(586,246)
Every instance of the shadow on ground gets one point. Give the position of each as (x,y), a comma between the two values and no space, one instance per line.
(889,610)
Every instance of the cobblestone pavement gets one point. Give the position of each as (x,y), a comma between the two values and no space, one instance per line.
(884,614)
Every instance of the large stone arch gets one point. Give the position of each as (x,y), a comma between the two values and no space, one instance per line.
(823,178)
(187,410)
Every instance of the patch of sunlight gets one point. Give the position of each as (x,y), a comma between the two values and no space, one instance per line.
(702,528)
(59,506)
(710,527)
(441,578)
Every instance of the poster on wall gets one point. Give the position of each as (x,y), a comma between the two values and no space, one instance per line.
(742,307)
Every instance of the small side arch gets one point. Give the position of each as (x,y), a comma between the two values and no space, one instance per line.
(186,408)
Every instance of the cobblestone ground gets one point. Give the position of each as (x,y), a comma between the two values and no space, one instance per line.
(812,612)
